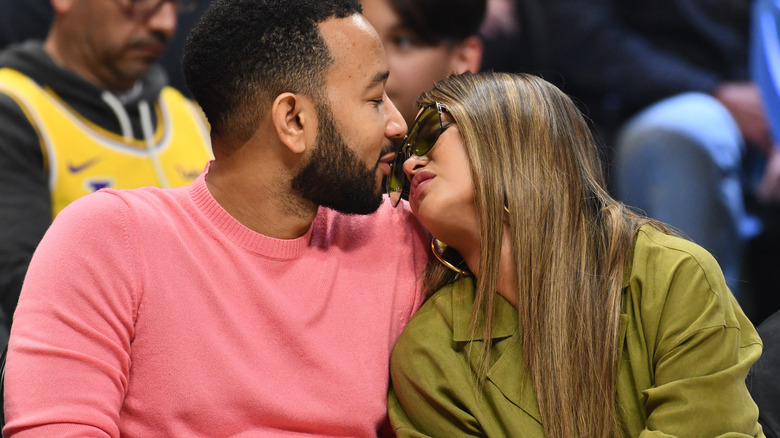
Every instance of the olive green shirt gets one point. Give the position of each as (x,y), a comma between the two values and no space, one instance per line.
(686,348)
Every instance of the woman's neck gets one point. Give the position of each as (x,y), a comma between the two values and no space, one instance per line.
(507,272)
(506,285)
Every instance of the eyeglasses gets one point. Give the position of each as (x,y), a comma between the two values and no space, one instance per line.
(425,131)
(146,8)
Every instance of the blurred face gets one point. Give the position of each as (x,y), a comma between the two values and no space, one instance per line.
(442,190)
(415,66)
(356,123)
(116,41)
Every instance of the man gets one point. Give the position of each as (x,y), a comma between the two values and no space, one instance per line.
(425,40)
(668,82)
(88,109)
(258,301)
(31,19)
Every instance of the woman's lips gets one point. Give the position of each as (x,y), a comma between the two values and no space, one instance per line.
(419,180)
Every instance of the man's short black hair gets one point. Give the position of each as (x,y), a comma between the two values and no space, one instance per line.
(244,53)
(441,21)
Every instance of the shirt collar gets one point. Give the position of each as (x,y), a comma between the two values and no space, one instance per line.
(507,372)
(463,294)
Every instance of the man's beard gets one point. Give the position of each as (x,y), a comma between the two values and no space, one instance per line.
(335,177)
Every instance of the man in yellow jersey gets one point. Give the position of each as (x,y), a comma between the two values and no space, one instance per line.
(88,109)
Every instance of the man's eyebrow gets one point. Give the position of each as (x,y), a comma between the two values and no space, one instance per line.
(378,78)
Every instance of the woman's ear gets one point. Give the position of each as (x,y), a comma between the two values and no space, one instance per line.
(467,55)
(293,116)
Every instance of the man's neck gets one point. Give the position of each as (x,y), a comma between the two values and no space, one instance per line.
(259,200)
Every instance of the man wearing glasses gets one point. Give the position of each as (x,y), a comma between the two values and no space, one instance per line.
(262,300)
(84,110)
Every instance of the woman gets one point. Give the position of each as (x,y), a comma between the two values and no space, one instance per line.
(560,313)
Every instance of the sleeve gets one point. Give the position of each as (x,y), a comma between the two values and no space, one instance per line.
(25,202)
(596,52)
(702,350)
(69,353)
(431,386)
(434,406)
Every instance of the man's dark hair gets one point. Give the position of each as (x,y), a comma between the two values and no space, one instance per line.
(441,21)
(244,53)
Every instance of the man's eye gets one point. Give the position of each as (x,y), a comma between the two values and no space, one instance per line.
(403,42)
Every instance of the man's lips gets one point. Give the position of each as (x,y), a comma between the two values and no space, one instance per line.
(387,157)
(151,46)
(150,51)
(384,162)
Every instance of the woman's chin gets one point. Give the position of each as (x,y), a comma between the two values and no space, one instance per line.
(426,218)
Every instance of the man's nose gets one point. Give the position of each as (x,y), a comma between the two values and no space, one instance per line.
(164,19)
(395,126)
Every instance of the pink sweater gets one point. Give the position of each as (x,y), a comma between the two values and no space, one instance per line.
(153,313)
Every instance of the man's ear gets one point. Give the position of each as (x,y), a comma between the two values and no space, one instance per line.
(292,116)
(467,55)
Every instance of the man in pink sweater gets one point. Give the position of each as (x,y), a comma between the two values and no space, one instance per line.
(263,299)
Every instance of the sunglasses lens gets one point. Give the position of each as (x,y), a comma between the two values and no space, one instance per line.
(421,138)
(429,130)
(397,178)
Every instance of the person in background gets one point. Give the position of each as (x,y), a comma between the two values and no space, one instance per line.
(765,71)
(556,311)
(514,34)
(667,87)
(87,109)
(264,298)
(425,41)
(30,20)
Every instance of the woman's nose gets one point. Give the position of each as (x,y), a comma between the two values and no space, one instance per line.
(413,164)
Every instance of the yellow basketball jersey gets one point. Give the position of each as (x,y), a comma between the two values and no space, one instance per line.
(82,157)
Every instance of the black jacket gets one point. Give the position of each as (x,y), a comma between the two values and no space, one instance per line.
(764,378)
(619,56)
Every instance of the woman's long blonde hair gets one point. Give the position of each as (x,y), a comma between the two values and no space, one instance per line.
(531,151)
